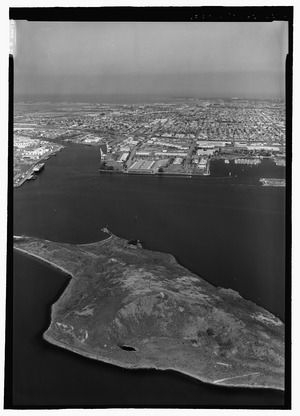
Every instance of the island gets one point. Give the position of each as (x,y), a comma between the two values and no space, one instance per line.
(137,308)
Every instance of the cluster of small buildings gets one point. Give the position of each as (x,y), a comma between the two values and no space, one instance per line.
(27,153)
(161,148)
(157,153)
(212,120)
(253,122)
(179,137)
(31,149)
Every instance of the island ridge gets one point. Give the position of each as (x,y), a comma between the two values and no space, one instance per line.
(138,308)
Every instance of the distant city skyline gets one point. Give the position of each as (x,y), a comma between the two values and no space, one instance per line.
(203,59)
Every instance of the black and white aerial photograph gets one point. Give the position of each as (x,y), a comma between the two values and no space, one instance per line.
(148,208)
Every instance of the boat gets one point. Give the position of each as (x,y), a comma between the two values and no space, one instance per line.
(38,167)
(226,161)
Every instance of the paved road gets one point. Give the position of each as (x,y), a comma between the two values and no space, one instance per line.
(187,163)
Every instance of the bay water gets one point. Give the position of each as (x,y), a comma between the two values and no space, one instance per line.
(227,229)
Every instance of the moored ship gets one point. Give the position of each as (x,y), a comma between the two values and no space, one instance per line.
(38,167)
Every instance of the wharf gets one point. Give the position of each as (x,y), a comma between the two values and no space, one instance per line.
(272,182)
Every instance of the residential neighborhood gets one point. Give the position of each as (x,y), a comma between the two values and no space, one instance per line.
(174,138)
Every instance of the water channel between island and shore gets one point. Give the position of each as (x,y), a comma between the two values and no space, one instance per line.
(230,230)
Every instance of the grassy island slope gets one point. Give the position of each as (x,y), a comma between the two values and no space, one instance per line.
(140,309)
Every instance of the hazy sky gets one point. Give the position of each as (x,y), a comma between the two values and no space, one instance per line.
(204,59)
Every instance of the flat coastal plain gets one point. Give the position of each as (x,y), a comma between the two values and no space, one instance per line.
(137,308)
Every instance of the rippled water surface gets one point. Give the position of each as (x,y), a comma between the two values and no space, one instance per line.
(229,230)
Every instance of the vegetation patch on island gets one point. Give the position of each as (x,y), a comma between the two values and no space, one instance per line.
(140,309)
